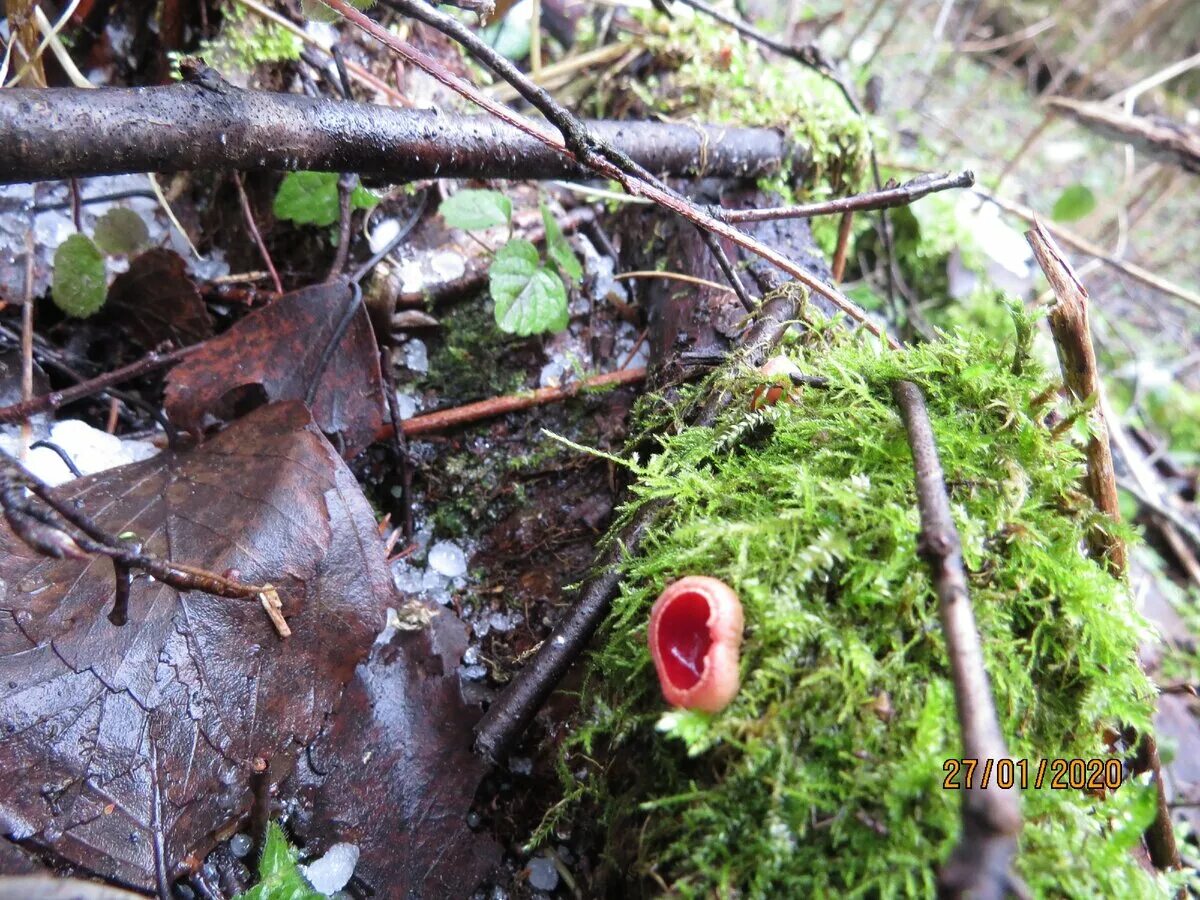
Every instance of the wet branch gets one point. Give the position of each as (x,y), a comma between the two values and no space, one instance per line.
(1158,137)
(69,132)
(991,816)
(888,198)
(59,530)
(511,712)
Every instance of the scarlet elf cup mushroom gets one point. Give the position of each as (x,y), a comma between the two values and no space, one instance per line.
(695,637)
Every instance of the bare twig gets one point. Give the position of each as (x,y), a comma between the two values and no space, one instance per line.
(55,399)
(979,865)
(1073,339)
(889,197)
(607,169)
(445,419)
(845,228)
(27,338)
(1157,137)
(252,227)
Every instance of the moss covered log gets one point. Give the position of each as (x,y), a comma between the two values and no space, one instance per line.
(826,773)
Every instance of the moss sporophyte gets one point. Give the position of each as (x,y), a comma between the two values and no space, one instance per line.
(824,772)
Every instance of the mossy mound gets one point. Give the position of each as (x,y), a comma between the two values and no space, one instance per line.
(825,774)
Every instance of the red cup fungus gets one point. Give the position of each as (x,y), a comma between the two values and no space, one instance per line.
(777,384)
(695,637)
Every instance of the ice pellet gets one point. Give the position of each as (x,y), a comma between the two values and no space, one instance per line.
(447,558)
(240,844)
(543,875)
(332,871)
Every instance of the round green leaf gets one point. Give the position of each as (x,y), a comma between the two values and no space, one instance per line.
(308,198)
(1073,203)
(80,285)
(529,297)
(473,210)
(120,232)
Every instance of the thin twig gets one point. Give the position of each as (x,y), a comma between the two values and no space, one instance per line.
(674,276)
(979,865)
(1073,339)
(845,229)
(605,168)
(27,340)
(55,399)
(252,227)
(888,198)
(458,416)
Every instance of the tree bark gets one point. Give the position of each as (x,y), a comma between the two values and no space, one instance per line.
(69,133)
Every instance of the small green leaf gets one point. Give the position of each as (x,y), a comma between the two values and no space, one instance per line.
(1073,203)
(279,876)
(474,210)
(529,297)
(121,232)
(80,286)
(559,250)
(311,198)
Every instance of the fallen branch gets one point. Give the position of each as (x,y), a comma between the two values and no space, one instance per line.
(1073,339)
(445,419)
(888,198)
(991,815)
(512,711)
(69,132)
(1158,137)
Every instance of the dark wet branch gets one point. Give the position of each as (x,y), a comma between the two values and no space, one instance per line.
(887,198)
(69,132)
(991,816)
(511,712)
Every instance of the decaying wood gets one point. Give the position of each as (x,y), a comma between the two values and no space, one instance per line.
(1073,339)
(69,132)
(1077,358)
(991,815)
(1158,137)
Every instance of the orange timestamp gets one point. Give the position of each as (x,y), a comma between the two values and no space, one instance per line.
(1094,774)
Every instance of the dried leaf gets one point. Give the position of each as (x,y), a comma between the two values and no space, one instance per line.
(123,745)
(156,301)
(272,354)
(394,773)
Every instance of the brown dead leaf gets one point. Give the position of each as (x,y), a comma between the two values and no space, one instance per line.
(394,773)
(272,354)
(125,748)
(155,301)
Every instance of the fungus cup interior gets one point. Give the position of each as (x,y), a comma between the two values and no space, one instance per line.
(684,639)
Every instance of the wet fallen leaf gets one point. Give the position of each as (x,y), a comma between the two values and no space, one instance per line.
(394,774)
(156,301)
(272,355)
(162,719)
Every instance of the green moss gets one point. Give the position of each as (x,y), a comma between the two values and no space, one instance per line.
(474,361)
(245,41)
(825,774)
(709,74)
